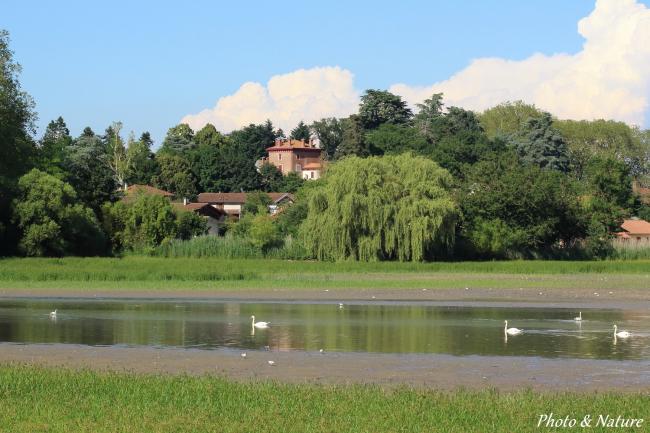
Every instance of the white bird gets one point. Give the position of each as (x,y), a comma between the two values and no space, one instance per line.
(340,305)
(53,314)
(511,331)
(621,334)
(321,351)
(271,362)
(579,318)
(259,324)
(243,355)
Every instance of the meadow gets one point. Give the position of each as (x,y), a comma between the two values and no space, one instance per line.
(59,400)
(141,272)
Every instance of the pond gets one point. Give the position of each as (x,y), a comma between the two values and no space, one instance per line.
(354,327)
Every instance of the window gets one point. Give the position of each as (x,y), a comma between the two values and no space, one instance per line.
(298,167)
(298,156)
(311,174)
(280,156)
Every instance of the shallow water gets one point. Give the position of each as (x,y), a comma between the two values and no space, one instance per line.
(361,327)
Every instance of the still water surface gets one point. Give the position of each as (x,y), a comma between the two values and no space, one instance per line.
(383,328)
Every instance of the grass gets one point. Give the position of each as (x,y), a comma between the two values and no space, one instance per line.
(57,400)
(138,272)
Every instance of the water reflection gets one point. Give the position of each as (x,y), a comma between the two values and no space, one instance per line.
(389,328)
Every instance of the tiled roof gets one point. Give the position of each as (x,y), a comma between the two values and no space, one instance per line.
(202,208)
(238,197)
(636,227)
(312,166)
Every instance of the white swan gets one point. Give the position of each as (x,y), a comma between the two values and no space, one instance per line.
(53,314)
(259,324)
(579,318)
(511,331)
(621,334)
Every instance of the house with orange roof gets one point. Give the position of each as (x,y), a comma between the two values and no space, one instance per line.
(232,203)
(634,233)
(302,157)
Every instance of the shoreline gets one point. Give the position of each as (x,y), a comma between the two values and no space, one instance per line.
(444,372)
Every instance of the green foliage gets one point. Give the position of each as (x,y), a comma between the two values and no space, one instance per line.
(253,140)
(330,134)
(146,222)
(88,172)
(271,178)
(394,139)
(393,207)
(354,139)
(539,207)
(52,148)
(175,175)
(301,132)
(539,143)
(190,224)
(208,135)
(508,118)
(179,139)
(51,220)
(429,115)
(380,106)
(458,152)
(604,138)
(226,169)
(263,232)
(291,183)
(257,203)
(143,165)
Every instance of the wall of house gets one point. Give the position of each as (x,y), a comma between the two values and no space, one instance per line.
(293,159)
(634,241)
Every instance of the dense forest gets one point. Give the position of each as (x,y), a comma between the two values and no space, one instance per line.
(437,183)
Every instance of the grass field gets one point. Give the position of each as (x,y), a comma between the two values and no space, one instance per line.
(135,272)
(38,399)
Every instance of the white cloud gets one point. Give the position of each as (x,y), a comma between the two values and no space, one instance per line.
(609,78)
(305,94)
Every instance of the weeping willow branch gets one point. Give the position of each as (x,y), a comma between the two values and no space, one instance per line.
(382,208)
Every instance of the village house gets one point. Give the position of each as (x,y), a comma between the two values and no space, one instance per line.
(634,233)
(232,203)
(288,155)
(213,216)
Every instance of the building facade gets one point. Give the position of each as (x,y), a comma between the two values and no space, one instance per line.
(288,155)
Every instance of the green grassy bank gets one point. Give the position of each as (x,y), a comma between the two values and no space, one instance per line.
(37,399)
(136,272)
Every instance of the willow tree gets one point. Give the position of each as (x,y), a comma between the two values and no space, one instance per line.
(381,208)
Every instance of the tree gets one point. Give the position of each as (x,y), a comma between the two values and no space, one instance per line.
(175,175)
(380,106)
(392,207)
(257,203)
(117,156)
(354,139)
(143,165)
(52,221)
(232,170)
(458,152)
(508,118)
(539,143)
(271,178)
(329,132)
(610,197)
(301,132)
(190,224)
(17,119)
(393,139)
(526,208)
(52,148)
(88,172)
(291,183)
(263,232)
(179,139)
(208,135)
(253,140)
(429,115)
(148,222)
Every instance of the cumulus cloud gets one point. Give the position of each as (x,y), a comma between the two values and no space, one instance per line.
(609,78)
(305,94)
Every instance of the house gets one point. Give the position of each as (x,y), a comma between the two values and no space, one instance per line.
(288,155)
(634,233)
(232,203)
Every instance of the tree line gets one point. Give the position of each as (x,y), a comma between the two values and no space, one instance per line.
(442,182)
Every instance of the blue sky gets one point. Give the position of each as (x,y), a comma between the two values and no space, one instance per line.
(152,63)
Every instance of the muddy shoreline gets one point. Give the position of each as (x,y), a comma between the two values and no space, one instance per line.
(429,371)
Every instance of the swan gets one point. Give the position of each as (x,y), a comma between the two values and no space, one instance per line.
(340,305)
(271,362)
(259,324)
(621,334)
(53,314)
(511,331)
(243,355)
(579,318)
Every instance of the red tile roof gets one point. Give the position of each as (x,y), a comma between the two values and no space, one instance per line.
(312,166)
(292,145)
(636,227)
(201,208)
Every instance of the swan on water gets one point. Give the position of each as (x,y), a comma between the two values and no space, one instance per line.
(259,324)
(579,318)
(53,314)
(271,362)
(511,331)
(621,334)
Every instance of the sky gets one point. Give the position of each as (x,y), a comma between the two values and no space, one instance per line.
(153,64)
